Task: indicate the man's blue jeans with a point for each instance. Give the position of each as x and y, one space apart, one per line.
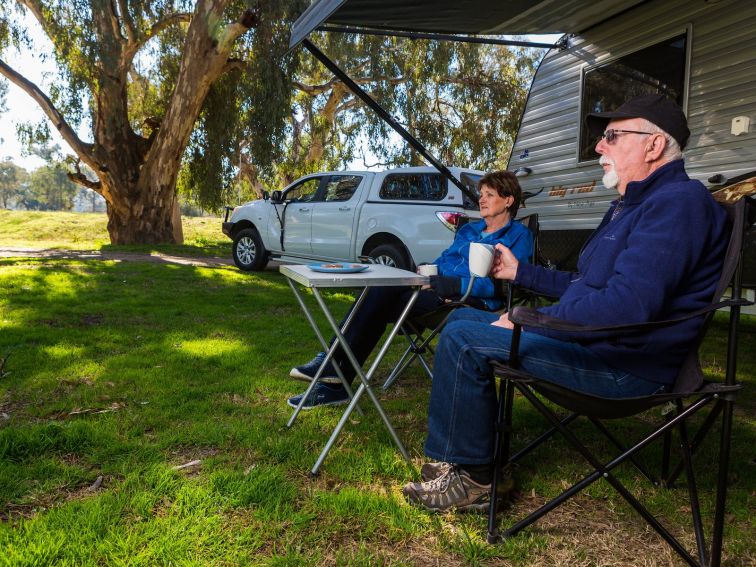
462 408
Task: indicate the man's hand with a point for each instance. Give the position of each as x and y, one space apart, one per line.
504 264
504 322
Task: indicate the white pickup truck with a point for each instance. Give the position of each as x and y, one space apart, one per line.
400 217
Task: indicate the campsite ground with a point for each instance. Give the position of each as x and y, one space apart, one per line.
142 412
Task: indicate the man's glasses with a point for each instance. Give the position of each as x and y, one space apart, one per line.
611 134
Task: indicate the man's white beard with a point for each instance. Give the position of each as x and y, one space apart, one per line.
610 178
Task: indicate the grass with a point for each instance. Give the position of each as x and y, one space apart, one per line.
88 231
117 373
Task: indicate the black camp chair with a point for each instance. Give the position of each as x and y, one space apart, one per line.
690 394
433 322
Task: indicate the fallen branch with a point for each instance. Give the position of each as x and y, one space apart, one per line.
188 465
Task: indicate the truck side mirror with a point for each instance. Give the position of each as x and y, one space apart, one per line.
265 195
275 197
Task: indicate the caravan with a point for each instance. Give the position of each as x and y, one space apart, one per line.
701 54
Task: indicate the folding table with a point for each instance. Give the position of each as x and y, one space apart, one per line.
375 275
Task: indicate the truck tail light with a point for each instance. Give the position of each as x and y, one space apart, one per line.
452 220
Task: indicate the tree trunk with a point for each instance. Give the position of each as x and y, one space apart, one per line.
146 222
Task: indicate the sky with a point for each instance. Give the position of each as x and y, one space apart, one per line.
21 108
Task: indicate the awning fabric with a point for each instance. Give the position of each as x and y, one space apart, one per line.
485 17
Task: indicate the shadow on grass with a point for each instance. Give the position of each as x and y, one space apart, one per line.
203 248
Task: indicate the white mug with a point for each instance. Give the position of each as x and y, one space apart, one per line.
480 259
427 270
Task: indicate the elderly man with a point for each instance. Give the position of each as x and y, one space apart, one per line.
657 254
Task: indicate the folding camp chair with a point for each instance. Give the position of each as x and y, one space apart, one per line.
433 322
690 389
414 328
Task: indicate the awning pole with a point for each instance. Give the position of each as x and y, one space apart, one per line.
386 117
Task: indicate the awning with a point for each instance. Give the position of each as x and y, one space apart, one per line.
485 17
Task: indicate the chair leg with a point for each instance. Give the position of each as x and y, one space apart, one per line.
545 436
697 439
638 465
666 450
417 346
724 462
502 442
692 490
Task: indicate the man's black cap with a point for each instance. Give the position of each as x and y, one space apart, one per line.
655 108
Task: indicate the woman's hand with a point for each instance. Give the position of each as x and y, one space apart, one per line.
503 321
505 264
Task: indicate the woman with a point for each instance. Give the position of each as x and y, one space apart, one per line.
500 197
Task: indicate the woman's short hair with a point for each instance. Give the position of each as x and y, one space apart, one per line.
506 184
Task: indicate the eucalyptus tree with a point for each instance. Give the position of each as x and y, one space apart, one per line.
463 101
150 77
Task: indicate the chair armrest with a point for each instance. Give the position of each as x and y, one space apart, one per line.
529 317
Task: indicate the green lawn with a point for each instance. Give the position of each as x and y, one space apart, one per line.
126 370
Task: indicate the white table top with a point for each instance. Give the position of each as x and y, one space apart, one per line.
375 275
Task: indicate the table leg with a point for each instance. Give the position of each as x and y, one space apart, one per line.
365 379
325 346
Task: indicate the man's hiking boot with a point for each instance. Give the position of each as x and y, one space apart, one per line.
453 490
432 470
307 372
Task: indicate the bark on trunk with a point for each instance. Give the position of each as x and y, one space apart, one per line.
155 224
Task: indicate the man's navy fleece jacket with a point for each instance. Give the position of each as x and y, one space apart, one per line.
660 258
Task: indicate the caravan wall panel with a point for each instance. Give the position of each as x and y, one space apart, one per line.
721 84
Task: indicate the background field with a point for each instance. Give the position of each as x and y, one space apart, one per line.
119 372
88 231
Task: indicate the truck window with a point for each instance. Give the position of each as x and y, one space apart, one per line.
341 187
305 191
413 187
659 68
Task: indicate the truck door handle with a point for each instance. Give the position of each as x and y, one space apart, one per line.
304 210
345 208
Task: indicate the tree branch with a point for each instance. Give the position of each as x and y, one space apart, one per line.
36 9
128 23
81 179
136 44
315 90
249 19
82 149
115 24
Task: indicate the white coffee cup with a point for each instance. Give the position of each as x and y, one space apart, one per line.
481 258
427 270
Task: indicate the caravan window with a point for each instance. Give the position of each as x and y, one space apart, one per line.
659 68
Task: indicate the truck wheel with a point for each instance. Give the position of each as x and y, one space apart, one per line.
249 252
390 255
